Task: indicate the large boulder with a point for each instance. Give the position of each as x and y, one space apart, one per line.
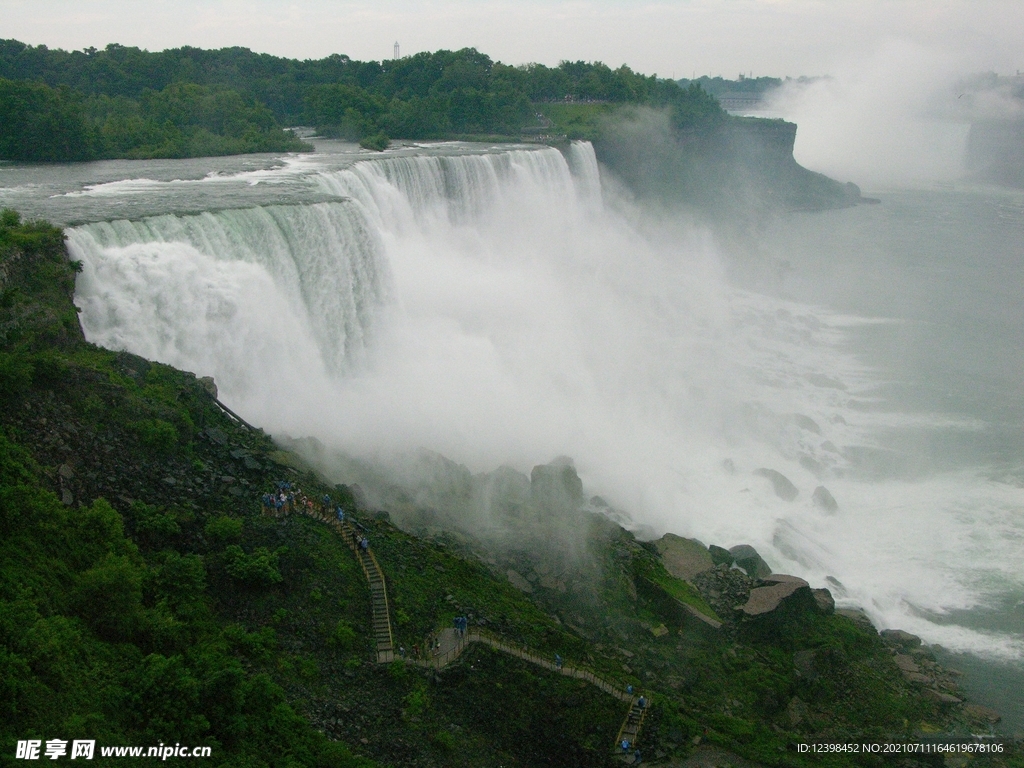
781 590
556 484
784 489
746 557
683 558
720 555
824 500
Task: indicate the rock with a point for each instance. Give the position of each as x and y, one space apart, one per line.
720 555
806 664
207 383
824 500
767 599
900 639
218 436
941 698
556 484
683 558
906 663
66 497
746 557
170 481
857 616
796 711
65 471
918 678
518 581
659 631
979 714
227 479
824 600
784 489
806 422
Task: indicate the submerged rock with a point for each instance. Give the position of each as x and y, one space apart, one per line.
824 500
784 489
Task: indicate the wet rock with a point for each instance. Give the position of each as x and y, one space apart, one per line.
796 711
784 489
207 383
217 436
979 714
556 483
906 663
746 557
517 581
900 639
942 698
767 599
857 616
806 664
824 500
806 422
824 600
683 558
720 555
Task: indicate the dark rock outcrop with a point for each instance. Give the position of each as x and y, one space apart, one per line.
683 558
784 489
824 500
747 558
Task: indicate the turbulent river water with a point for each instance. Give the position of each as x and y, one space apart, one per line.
506 305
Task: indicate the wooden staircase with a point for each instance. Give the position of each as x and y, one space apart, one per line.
380 609
630 729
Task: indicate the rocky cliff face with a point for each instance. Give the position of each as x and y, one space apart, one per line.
743 163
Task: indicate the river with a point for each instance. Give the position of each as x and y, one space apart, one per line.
504 305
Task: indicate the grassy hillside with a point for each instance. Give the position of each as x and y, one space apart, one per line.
145 597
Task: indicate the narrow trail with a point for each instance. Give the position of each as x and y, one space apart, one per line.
447 645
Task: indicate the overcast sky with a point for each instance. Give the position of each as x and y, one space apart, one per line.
681 38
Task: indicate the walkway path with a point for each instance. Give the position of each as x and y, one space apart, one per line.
447 645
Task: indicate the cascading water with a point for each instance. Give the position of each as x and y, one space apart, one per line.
492 306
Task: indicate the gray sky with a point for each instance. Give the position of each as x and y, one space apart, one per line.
680 38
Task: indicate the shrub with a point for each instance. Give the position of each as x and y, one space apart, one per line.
378 142
157 434
223 529
257 569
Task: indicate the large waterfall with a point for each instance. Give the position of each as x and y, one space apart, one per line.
508 306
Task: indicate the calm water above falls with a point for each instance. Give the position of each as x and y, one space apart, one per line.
499 305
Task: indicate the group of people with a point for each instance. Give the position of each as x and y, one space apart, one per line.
461 625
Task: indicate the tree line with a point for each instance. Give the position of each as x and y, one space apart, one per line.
124 101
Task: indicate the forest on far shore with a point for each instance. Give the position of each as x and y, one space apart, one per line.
57 105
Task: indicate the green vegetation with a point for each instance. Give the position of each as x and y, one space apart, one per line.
126 102
182 120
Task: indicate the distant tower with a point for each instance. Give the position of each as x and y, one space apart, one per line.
396 49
